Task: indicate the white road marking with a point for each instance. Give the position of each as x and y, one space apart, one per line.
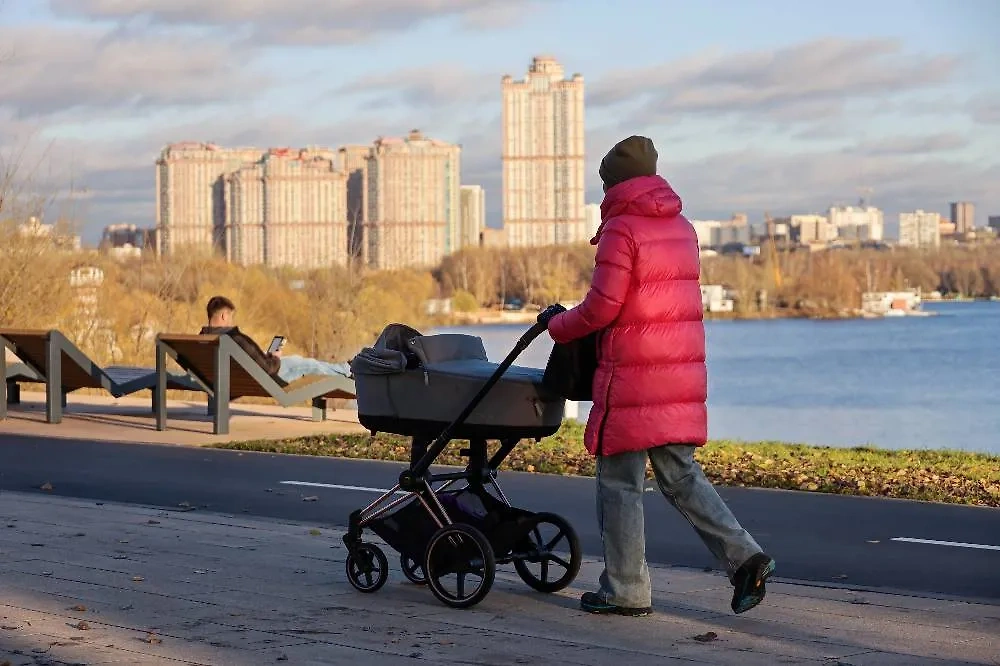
338 486
956 544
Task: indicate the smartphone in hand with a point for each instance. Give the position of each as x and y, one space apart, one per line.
276 344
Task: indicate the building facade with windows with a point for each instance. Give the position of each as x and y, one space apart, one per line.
190 194
288 209
542 118
920 229
413 202
473 203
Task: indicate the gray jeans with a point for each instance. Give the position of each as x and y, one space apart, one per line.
296 367
620 484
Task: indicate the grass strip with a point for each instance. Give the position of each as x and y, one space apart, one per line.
955 477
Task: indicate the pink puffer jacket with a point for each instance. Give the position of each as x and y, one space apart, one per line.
651 382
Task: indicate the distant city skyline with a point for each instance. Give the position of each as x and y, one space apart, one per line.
776 106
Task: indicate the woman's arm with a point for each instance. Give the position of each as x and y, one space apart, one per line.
603 302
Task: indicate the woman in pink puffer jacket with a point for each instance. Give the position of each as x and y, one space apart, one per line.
650 386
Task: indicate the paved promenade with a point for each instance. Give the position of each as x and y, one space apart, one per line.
86 582
130 419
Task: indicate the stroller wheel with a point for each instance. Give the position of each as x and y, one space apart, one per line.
413 570
545 569
367 568
459 565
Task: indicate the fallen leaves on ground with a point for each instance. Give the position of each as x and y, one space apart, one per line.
707 637
932 475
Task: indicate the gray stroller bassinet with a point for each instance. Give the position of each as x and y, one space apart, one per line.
415 385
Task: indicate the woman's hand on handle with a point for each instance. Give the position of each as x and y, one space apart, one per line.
546 315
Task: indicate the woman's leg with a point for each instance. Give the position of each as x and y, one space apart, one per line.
625 586
683 482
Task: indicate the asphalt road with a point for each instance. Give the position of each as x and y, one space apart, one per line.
826 539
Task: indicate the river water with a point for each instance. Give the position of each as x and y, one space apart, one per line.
907 382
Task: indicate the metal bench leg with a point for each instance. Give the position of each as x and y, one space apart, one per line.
54 395
160 390
9 386
319 409
221 418
11 395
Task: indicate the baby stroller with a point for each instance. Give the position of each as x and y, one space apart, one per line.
434 389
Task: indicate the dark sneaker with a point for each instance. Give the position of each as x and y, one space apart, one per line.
595 603
749 581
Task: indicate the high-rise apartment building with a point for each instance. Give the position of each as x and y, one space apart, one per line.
412 215
473 205
120 235
813 228
864 223
719 233
963 216
56 234
920 229
354 162
542 121
493 237
993 222
190 208
123 241
287 209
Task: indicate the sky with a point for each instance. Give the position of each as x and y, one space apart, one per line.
774 105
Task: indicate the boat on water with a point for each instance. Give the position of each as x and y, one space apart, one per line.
904 303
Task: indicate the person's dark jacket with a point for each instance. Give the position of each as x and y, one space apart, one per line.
269 362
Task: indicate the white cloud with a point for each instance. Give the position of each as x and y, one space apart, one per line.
302 22
913 145
53 69
985 109
437 86
805 82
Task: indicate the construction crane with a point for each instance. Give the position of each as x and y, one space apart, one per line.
772 250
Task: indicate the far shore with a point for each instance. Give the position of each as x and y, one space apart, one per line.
492 316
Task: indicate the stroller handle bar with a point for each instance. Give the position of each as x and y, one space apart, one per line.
421 466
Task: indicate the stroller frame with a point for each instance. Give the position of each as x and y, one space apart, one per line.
456 541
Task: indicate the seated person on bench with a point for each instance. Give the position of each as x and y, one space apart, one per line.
221 313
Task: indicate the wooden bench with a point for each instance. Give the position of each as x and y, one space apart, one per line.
55 361
228 373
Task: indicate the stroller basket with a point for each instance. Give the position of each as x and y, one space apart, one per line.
409 529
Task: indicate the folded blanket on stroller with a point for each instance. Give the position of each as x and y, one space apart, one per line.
413 384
